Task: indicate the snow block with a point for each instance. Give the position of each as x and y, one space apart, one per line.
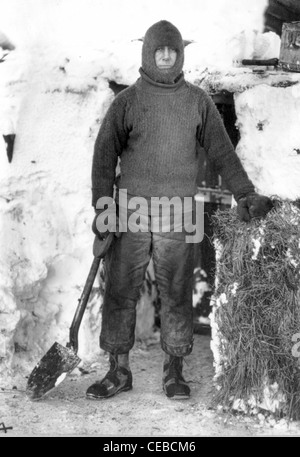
269 148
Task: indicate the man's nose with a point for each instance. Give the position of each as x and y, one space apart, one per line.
166 53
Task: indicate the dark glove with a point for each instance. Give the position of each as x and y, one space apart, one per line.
101 235
102 230
253 205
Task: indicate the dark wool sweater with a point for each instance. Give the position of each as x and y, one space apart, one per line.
154 129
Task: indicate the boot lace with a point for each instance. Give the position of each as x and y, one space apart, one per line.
175 367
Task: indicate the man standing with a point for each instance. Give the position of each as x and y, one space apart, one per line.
153 126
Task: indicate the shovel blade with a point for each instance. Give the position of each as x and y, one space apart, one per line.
51 370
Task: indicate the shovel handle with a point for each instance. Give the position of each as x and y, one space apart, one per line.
82 302
267 62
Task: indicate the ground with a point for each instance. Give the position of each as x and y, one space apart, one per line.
143 411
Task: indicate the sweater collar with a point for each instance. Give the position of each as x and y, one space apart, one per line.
149 85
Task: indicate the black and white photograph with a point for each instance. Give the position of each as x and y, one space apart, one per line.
149 221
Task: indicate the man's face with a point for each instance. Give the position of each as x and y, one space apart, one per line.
165 57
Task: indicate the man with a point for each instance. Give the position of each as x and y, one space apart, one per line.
153 126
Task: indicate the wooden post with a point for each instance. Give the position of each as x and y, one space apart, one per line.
290 46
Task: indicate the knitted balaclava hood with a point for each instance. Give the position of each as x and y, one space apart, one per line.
163 33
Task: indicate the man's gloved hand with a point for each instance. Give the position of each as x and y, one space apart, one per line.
105 222
253 205
100 234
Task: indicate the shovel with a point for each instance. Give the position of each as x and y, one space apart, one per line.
60 360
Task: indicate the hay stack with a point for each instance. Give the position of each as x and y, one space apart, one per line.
256 311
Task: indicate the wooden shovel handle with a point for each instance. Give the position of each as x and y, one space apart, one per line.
267 62
99 252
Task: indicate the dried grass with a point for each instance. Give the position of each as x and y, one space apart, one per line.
257 323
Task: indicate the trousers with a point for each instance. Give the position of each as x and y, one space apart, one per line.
125 267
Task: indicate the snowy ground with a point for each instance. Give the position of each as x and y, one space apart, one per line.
144 411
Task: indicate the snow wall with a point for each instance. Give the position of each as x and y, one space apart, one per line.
54 90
